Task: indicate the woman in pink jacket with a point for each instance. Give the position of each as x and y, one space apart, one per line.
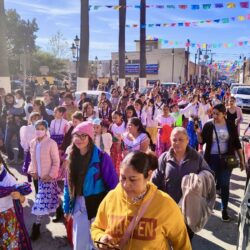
44 166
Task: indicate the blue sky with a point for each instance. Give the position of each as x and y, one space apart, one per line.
64 16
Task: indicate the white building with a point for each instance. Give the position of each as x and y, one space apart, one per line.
162 64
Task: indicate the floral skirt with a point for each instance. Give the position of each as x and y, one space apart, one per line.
58 139
47 198
9 230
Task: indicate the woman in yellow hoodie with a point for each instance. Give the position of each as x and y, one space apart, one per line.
160 226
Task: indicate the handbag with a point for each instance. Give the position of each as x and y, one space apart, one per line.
230 161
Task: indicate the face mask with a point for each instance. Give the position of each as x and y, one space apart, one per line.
40 133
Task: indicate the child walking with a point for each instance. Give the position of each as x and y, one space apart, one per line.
44 166
117 128
13 233
58 126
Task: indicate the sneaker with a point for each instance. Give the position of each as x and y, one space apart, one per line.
225 217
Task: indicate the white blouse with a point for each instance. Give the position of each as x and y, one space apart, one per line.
58 126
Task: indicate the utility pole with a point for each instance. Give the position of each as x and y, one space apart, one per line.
173 65
195 59
187 60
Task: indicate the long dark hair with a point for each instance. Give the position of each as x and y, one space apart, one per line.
137 122
2 161
78 168
141 162
132 108
153 107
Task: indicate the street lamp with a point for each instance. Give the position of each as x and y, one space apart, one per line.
172 65
75 49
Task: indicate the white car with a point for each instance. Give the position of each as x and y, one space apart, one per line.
242 96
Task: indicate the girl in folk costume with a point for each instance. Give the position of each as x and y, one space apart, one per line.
13 233
76 119
105 112
159 104
152 124
140 111
117 128
88 111
44 166
58 126
129 113
166 123
102 140
91 175
27 134
69 105
204 110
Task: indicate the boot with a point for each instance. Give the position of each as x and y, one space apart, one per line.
59 214
35 233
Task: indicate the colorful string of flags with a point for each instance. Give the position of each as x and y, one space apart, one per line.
224 67
208 6
192 24
199 44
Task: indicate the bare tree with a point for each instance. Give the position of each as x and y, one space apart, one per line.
4 68
58 46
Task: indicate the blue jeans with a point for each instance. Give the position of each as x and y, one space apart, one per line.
222 179
11 131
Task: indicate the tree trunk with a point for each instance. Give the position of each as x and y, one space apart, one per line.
122 41
4 67
142 80
82 80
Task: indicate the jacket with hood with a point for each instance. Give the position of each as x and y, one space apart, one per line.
161 225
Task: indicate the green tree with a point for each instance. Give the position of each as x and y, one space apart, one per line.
4 69
142 43
20 33
58 46
82 81
57 66
122 41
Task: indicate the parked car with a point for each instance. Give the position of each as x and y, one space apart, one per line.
242 95
93 96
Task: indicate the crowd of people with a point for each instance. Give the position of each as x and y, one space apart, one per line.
124 174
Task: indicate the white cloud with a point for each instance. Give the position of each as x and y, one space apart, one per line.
44 9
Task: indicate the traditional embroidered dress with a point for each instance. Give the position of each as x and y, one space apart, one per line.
152 123
116 149
13 233
164 131
133 145
58 129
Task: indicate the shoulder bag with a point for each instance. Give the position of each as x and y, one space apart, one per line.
229 161
129 231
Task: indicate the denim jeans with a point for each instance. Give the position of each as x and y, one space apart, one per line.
222 178
11 131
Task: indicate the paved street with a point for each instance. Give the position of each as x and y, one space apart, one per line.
216 235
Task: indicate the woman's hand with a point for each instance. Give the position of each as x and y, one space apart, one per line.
34 176
47 178
242 165
15 195
106 239
67 217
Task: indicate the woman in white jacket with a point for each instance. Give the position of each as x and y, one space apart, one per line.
204 110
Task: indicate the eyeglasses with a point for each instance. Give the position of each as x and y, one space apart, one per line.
81 137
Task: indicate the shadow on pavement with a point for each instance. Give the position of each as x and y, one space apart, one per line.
238 178
204 244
